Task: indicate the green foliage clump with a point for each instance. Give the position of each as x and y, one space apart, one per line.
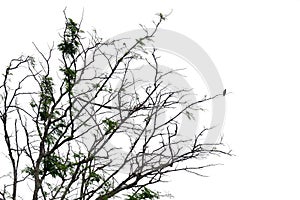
46 97
69 79
109 125
144 194
70 43
56 166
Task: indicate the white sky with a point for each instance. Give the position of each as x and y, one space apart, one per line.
254 44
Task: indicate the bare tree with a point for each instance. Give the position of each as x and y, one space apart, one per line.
59 116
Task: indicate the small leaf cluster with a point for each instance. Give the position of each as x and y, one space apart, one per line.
56 166
70 76
46 97
70 43
57 130
94 177
144 194
109 125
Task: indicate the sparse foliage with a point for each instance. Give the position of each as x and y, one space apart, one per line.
49 109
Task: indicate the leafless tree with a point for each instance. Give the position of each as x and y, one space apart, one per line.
59 114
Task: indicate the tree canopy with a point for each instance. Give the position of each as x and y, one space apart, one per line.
58 116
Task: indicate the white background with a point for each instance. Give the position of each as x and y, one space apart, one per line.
256 47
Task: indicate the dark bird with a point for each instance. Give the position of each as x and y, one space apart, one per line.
224 92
